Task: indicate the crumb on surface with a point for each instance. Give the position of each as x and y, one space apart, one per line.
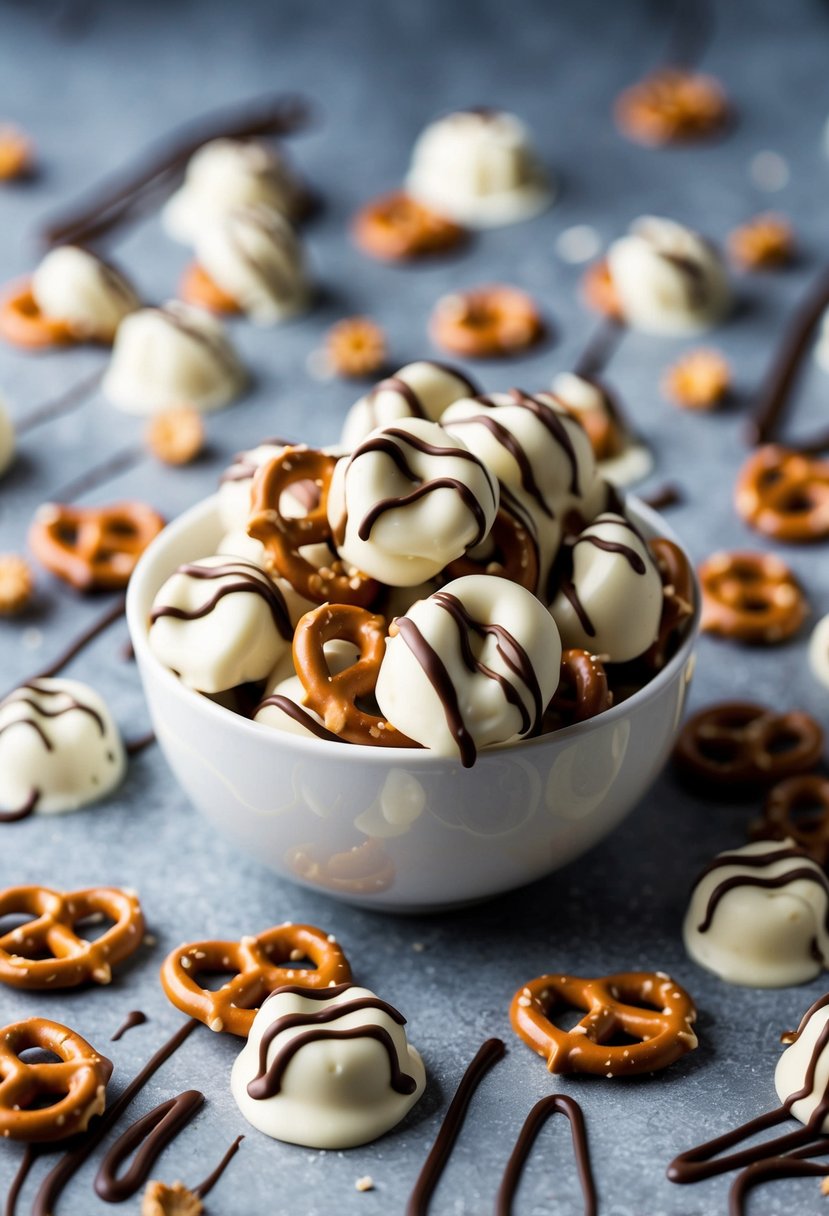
176 436
356 346
366 1183
16 153
762 242
16 584
161 1199
699 380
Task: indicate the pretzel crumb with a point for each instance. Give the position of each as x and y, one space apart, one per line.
162 1200
824 1187
356 346
762 242
16 153
176 436
671 105
699 380
16 584
366 1183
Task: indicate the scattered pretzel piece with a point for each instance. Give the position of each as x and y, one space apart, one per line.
646 1006
515 554
17 156
700 380
750 597
784 494
582 691
679 596
76 1084
797 808
93 548
356 347
598 291
763 242
197 287
176 436
671 106
737 747
395 227
16 584
46 953
159 1199
486 322
23 324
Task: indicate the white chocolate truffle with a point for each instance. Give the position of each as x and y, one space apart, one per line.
418 390
473 665
804 1066
479 167
253 254
409 500
328 1068
758 915
7 438
219 622
611 603
59 747
283 705
626 460
228 173
165 356
669 280
819 651
74 286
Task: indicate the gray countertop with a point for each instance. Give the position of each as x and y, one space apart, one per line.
93 83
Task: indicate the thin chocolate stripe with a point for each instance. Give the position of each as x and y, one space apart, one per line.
441 681
515 448
153 1132
800 873
252 581
292 710
269 1085
548 417
538 1116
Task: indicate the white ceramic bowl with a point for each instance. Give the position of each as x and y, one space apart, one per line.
392 829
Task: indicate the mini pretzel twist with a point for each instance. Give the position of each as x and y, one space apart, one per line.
670 106
258 963
784 494
613 1005
395 227
679 592
486 322
283 536
70 959
23 324
739 746
515 556
78 1082
582 690
751 597
93 548
797 808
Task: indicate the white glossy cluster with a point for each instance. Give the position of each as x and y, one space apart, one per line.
74 286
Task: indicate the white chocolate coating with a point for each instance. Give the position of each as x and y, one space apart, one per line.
418 390
499 687
805 1065
632 461
253 254
620 593
669 280
237 640
768 936
167 356
479 168
228 173
335 1092
74 286
59 746
285 683
411 529
819 651
7 438
822 344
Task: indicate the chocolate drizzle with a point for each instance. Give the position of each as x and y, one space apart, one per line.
68 400
244 467
396 384
599 350
515 448
805 873
134 1018
554 424
247 579
153 1132
538 1116
22 812
561 574
441 681
667 495
74 706
293 710
206 1186
18 1182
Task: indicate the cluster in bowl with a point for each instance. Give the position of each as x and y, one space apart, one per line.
456 576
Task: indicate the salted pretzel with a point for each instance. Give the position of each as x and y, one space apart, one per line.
284 536
582 690
486 322
750 597
737 746
679 595
197 287
644 1005
784 494
259 966
599 292
671 105
335 697
365 869
23 324
77 1082
46 952
395 227
93 548
515 554
797 808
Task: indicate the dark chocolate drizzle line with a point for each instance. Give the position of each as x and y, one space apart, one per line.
26 1163
667 495
292 710
551 420
600 348
153 1132
441 681
806 873
74 706
633 559
89 635
63 404
206 1186
134 1018
61 1174
134 747
488 1053
394 384
515 448
252 581
538 1116
22 812
791 1165
101 473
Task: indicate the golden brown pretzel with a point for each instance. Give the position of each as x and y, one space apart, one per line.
515 556
751 597
23 324
486 322
258 963
93 548
678 599
46 953
671 105
582 690
335 698
78 1082
784 494
395 227
644 1005
798 808
283 536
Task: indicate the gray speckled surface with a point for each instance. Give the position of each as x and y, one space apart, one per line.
93 83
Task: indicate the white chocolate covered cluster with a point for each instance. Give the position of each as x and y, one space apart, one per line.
7 438
419 390
72 285
801 1077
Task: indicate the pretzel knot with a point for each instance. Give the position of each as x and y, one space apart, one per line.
515 554
258 966
46 952
784 494
742 746
93 548
23 324
752 597
336 698
679 594
582 690
284 536
76 1085
642 1005
797 808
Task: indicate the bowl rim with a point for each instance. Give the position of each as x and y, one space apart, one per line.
363 753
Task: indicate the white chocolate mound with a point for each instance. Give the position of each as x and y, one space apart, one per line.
474 664
403 527
7 438
333 1091
165 356
419 390
762 930
284 691
612 603
819 651
229 173
253 254
669 280
219 622
479 167
59 747
805 1066
74 286
633 461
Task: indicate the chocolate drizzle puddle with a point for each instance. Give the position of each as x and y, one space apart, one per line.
294 711
153 1132
538 1116
805 873
134 1018
206 1186
249 579
488 1053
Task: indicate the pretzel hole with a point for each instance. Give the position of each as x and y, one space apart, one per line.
754 604
783 741
799 502
770 477
38 1055
67 534
93 926
121 527
808 813
722 751
212 979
